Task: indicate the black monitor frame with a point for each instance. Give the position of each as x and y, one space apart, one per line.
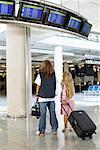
48 9
45 15
69 15
83 33
4 16
38 4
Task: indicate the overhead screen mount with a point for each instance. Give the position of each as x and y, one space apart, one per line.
7 9
42 13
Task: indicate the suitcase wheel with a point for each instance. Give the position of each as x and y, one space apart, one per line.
37 117
90 136
83 138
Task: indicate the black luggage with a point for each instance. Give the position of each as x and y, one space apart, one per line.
81 123
35 111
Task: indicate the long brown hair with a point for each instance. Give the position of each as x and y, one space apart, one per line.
47 68
68 81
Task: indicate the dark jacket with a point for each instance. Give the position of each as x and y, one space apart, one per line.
48 86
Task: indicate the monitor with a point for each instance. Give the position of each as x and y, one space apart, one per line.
31 12
74 23
56 17
7 8
86 29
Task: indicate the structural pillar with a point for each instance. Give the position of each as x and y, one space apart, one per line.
19 85
66 66
58 65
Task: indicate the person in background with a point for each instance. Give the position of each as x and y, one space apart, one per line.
45 91
67 96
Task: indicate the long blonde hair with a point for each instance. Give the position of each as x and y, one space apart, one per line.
68 81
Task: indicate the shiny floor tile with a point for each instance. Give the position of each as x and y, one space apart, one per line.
19 134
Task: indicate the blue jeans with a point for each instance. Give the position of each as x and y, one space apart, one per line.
53 119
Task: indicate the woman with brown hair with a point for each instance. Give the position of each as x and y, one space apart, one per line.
45 91
67 96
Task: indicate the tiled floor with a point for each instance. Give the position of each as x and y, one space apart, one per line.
19 134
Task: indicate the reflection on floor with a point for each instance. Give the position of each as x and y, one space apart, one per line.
19 134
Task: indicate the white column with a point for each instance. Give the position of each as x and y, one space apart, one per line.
18 71
58 64
66 66
28 91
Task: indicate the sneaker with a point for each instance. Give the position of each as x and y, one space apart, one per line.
70 129
64 130
40 134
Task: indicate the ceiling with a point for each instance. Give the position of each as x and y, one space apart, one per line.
90 9
43 44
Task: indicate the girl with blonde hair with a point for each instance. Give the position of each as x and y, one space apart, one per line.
67 96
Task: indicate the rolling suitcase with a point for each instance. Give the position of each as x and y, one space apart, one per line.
81 123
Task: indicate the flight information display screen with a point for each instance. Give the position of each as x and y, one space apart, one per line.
6 8
74 23
31 12
86 29
56 17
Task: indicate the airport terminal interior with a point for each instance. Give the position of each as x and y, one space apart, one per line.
67 49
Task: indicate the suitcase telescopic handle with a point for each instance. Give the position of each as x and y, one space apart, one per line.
65 110
69 106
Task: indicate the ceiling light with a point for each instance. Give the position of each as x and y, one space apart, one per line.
92 62
91 56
